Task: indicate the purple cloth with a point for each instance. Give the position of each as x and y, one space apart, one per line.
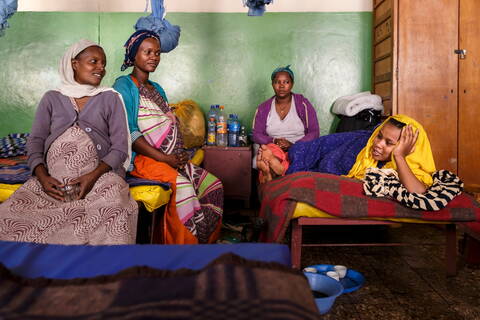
334 153
305 111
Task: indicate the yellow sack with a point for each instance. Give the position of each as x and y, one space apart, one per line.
192 122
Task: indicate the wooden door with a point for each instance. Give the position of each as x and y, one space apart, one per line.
427 72
469 94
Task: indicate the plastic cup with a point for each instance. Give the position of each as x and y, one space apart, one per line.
341 271
333 275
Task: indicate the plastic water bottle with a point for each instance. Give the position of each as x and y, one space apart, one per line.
221 128
211 131
211 126
233 131
212 112
242 137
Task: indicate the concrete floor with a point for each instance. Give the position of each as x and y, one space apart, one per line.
401 282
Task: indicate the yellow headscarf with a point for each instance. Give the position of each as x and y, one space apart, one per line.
420 160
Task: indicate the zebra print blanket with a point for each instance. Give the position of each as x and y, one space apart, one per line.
386 183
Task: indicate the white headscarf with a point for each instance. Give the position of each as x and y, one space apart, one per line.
71 88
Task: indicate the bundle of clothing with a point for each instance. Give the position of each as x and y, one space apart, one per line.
7 9
14 144
169 34
256 7
360 111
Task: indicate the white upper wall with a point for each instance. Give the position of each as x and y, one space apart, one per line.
194 5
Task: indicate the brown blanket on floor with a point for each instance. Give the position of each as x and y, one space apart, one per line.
344 198
230 287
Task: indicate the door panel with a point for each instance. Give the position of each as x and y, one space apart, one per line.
469 94
427 74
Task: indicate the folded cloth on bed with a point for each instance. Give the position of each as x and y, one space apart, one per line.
353 104
230 287
386 183
20 173
14 174
14 144
344 198
134 181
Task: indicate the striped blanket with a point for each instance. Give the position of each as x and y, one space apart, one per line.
13 144
15 170
230 287
344 198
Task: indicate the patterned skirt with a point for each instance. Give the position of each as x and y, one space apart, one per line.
107 214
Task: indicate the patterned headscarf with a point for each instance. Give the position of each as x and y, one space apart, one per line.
283 69
420 160
132 44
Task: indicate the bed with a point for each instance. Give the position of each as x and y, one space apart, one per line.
43 281
311 198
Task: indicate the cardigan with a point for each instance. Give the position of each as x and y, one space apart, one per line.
102 118
305 111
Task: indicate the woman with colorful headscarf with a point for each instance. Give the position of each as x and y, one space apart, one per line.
281 121
194 213
77 150
399 143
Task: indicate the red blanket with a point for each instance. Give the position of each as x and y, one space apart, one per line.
344 198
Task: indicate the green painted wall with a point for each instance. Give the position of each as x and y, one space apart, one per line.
222 58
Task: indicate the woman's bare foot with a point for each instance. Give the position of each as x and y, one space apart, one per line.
273 162
266 175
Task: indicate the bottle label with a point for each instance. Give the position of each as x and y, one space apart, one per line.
211 138
221 127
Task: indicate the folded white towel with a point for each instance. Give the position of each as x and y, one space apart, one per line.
353 104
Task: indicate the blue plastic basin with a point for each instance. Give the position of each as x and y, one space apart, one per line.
326 285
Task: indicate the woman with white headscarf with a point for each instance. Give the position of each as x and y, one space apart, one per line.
77 150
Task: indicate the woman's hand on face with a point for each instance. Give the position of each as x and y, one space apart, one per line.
51 186
406 143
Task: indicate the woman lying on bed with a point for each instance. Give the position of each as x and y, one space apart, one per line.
76 151
399 143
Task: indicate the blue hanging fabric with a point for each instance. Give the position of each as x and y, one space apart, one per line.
7 9
256 7
169 34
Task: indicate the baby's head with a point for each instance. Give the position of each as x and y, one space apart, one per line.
386 140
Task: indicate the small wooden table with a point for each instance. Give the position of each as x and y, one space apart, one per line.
233 166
